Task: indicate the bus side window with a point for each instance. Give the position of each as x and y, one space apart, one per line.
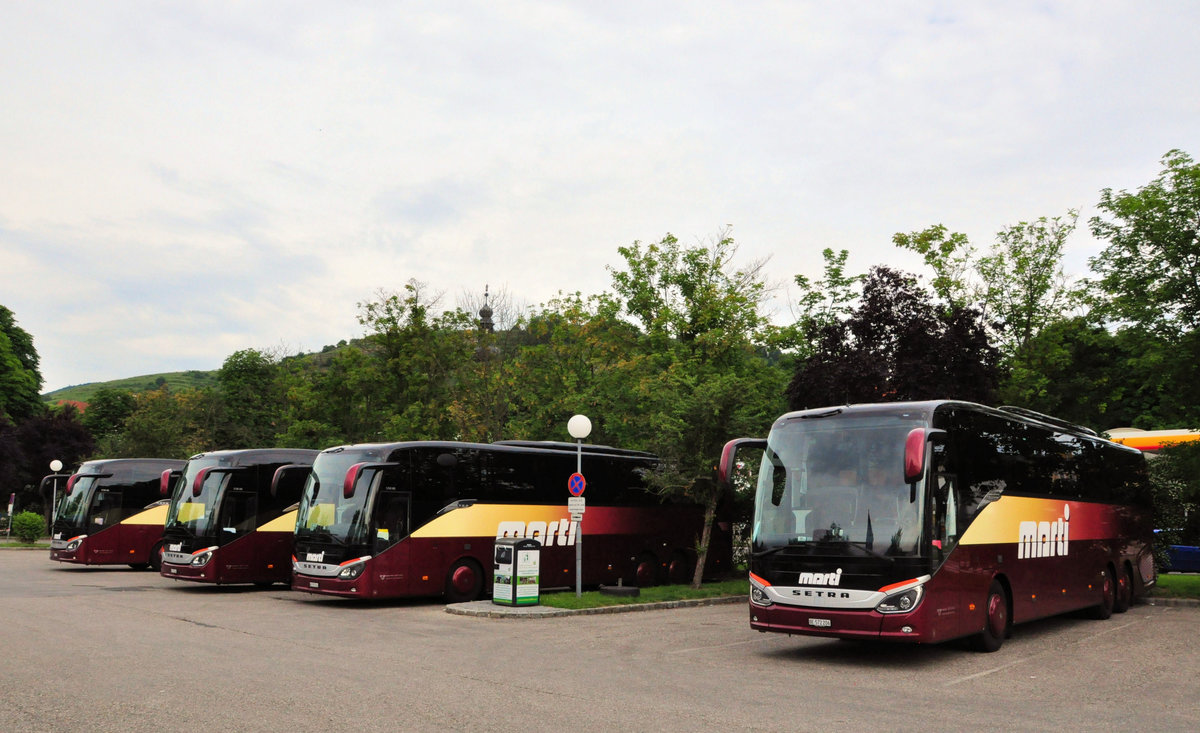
946 512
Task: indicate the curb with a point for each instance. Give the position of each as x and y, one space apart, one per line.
487 609
1161 601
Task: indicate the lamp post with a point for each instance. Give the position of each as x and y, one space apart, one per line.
579 426
55 467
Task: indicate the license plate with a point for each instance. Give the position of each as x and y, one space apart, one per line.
820 623
314 585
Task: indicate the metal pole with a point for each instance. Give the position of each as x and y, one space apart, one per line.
579 527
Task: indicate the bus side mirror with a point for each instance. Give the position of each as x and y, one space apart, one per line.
71 484
283 473
198 484
914 456
351 479
164 481
728 462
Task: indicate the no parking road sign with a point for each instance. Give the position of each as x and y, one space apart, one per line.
576 484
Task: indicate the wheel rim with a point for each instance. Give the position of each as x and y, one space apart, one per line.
463 579
997 615
1107 590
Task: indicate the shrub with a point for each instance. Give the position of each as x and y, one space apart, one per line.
28 527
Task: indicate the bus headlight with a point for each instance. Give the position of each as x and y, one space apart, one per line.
73 545
902 602
202 557
350 572
758 591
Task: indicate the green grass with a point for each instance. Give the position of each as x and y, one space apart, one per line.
1174 585
596 599
35 545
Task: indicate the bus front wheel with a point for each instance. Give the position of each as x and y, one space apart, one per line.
156 555
995 623
464 582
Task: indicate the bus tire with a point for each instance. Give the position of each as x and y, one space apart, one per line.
645 571
464 581
1108 596
1123 598
679 571
156 556
995 620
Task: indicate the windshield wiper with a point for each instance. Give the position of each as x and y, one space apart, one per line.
321 535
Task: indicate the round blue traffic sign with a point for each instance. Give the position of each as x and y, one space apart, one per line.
576 484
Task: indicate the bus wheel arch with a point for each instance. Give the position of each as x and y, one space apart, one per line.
997 618
464 581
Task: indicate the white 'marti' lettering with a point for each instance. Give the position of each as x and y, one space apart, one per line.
1044 539
559 532
833 578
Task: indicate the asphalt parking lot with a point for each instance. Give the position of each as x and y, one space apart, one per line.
87 648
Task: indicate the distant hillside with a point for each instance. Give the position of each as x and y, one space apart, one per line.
175 381
180 381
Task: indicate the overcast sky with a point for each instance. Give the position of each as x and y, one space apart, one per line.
182 180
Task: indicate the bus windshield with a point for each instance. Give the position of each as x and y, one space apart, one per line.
73 510
194 513
838 478
324 511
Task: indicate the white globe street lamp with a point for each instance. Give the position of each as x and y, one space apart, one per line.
579 426
55 467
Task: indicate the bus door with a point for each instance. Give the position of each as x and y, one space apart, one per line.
238 517
103 526
391 522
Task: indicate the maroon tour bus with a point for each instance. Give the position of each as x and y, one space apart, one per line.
112 513
929 521
421 519
232 514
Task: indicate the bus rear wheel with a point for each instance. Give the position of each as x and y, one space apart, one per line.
645 572
464 582
995 623
1108 596
1124 597
680 569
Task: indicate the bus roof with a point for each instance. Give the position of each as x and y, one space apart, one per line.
928 407
500 446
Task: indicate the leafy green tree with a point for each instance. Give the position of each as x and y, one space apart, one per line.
251 399
1023 283
20 379
823 302
898 345
698 376
1149 273
107 410
56 435
950 255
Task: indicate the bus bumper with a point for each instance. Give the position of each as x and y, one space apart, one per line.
838 624
356 588
201 574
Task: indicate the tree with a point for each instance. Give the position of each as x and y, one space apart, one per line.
823 302
1150 269
697 376
251 399
56 435
1023 283
107 410
898 345
950 257
20 380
